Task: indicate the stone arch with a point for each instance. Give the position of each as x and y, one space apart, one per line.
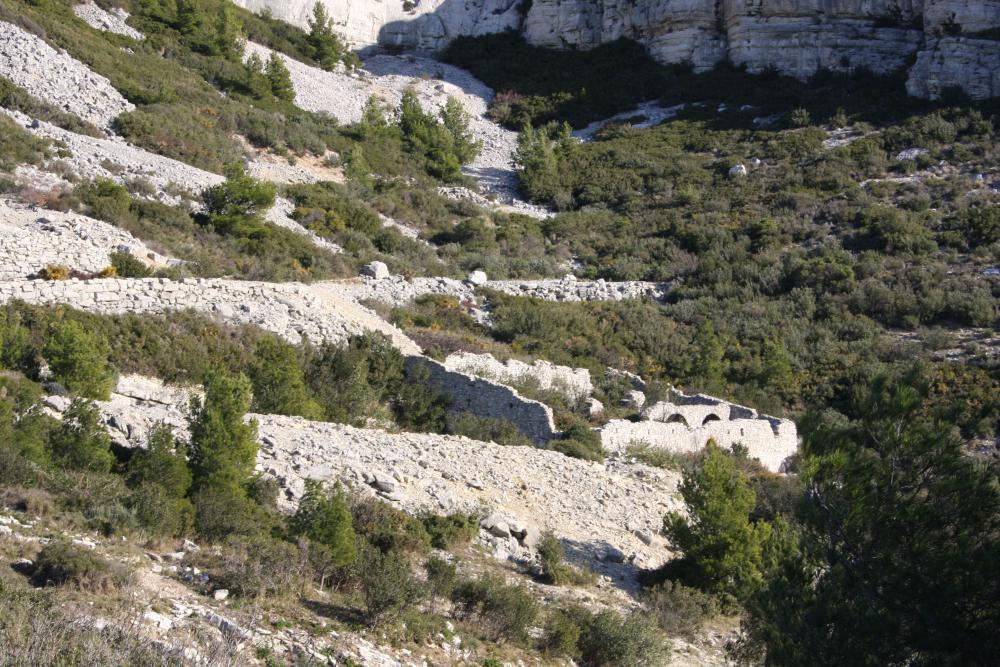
677 418
710 417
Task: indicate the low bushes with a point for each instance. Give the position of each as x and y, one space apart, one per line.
502 612
61 563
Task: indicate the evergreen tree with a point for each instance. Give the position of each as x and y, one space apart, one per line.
79 360
81 442
163 462
228 40
538 165
279 78
323 518
223 446
257 81
189 17
710 366
900 544
235 206
23 427
373 118
723 550
456 121
278 383
324 44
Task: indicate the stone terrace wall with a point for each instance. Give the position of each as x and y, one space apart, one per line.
485 398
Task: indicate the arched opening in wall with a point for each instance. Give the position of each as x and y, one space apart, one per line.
677 419
710 418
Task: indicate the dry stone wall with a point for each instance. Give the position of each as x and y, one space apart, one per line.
397 291
486 398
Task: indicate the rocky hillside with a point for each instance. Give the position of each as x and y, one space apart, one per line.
954 41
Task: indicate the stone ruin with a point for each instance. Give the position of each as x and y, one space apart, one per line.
685 424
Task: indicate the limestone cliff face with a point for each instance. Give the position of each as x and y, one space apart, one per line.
944 38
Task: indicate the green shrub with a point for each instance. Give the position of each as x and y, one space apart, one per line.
501 611
61 563
446 531
579 441
128 266
387 528
387 582
81 442
79 360
442 577
159 512
24 429
679 609
489 429
162 480
323 517
609 639
260 566
220 512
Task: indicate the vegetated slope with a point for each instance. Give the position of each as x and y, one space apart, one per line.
815 255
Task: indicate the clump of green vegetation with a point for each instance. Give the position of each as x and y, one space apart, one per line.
61 563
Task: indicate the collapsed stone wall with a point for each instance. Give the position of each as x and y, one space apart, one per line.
685 424
486 398
289 310
31 239
397 290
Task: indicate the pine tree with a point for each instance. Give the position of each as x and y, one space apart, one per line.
722 547
79 360
373 119
278 382
455 119
163 462
710 366
228 41
539 165
324 518
189 17
81 442
279 78
257 81
325 46
223 446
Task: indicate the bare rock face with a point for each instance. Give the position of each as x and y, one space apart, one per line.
796 37
425 25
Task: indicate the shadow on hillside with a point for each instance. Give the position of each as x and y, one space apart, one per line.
592 556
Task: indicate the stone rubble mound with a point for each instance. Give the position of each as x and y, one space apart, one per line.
113 21
32 239
56 78
597 510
